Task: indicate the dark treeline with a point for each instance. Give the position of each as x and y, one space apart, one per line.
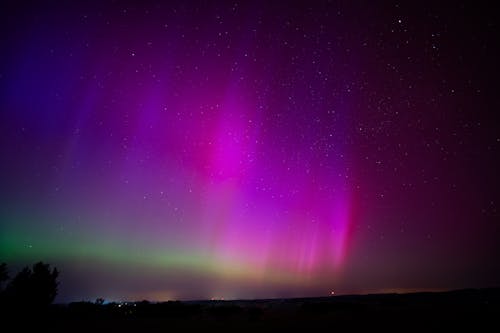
32 287
27 304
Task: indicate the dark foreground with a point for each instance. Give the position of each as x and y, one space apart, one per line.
475 310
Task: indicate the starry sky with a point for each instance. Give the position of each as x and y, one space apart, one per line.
226 149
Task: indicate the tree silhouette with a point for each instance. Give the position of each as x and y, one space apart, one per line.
4 274
33 287
44 283
18 290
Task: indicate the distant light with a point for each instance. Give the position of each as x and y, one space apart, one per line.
332 293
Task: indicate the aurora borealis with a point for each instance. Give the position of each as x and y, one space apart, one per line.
198 149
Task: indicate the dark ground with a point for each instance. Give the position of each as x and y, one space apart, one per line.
474 310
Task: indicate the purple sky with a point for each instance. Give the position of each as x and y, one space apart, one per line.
180 150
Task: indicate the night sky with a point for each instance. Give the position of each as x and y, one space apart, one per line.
196 150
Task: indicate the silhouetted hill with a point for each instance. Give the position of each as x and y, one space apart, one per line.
474 309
